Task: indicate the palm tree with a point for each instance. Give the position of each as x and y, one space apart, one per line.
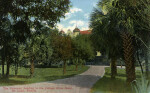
124 23
106 37
116 21
137 20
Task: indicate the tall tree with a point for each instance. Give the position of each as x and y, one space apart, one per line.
62 48
82 49
6 42
39 47
137 16
105 35
125 27
27 14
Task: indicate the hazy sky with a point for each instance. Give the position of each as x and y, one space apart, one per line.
79 14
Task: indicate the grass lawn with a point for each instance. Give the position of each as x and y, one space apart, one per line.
118 85
40 75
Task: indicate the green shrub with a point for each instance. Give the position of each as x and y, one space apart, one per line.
141 86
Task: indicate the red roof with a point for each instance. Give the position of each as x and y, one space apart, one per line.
85 32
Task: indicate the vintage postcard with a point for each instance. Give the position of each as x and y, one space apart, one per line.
74 46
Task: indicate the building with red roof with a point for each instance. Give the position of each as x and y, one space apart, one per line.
77 31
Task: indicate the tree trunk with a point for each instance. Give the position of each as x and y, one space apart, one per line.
146 62
113 68
121 65
64 68
16 68
8 68
83 65
3 61
76 67
128 56
139 62
32 67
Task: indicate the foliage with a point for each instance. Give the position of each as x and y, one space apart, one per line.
47 10
105 35
21 28
39 45
141 86
62 48
83 48
142 12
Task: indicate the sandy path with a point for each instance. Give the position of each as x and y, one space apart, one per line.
77 84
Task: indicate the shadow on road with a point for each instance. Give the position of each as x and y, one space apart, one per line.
83 81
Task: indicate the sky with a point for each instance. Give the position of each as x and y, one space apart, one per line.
78 15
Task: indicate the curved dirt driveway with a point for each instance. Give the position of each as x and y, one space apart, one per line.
78 84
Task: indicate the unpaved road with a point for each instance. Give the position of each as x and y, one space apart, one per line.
78 84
